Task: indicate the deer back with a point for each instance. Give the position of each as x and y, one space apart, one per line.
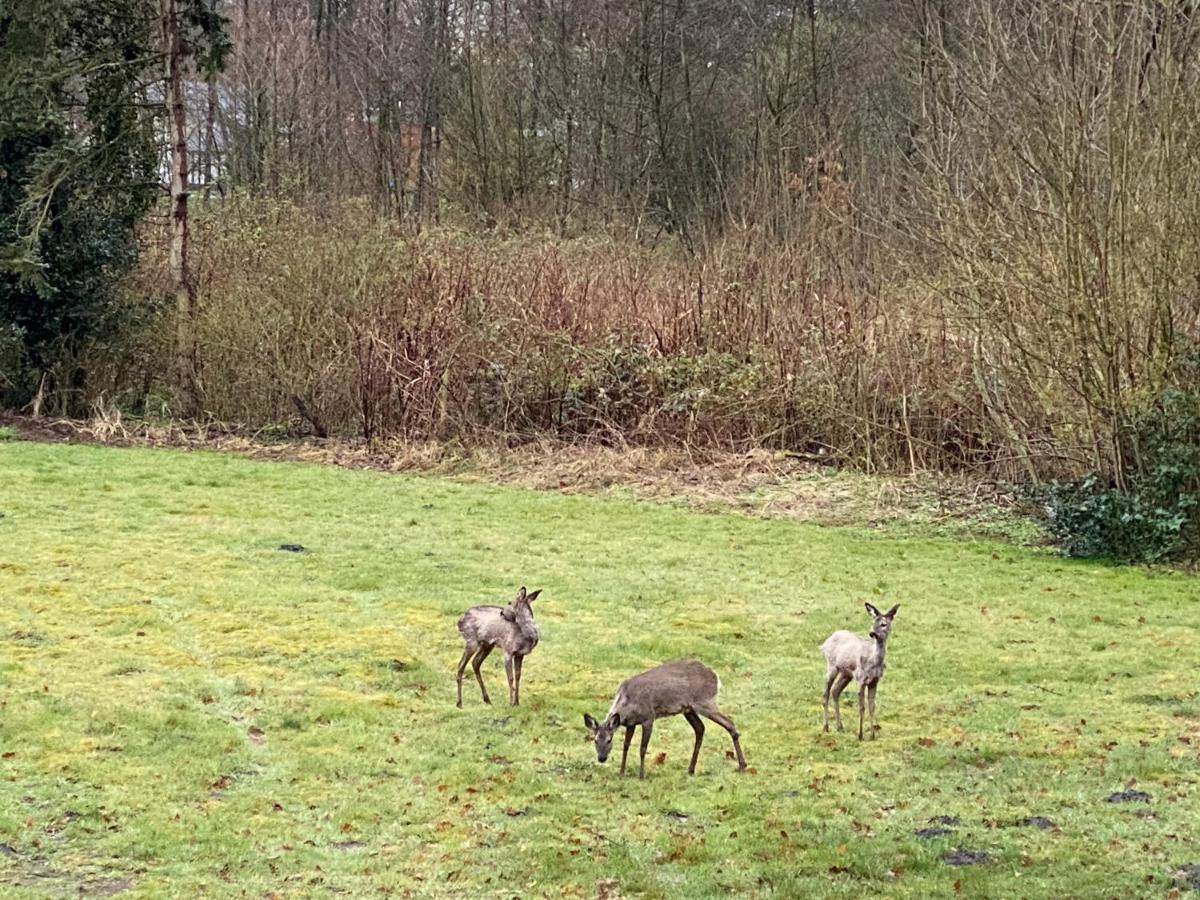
515 633
844 650
667 690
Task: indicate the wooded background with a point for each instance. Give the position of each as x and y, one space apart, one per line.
895 234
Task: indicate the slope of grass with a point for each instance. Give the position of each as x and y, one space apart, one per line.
187 709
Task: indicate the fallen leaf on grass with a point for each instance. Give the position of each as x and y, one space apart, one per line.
926 742
660 759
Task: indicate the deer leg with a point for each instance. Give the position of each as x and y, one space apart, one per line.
628 741
508 672
646 730
840 686
727 723
833 676
462 667
517 660
862 702
698 727
475 664
871 700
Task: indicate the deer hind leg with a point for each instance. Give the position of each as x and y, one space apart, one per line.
647 729
517 660
871 701
698 727
480 656
628 741
833 676
468 652
711 712
838 687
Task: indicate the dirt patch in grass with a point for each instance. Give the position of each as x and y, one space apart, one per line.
967 858
1129 797
763 483
1037 822
25 871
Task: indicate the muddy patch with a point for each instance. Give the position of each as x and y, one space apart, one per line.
292 548
1188 877
1037 822
929 834
967 858
37 873
1129 797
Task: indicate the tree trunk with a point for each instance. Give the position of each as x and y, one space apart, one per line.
175 54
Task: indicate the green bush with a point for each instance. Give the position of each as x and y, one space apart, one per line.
1157 517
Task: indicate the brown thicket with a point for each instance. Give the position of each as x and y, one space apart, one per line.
900 235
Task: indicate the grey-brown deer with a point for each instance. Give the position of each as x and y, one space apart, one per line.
849 657
511 628
686 688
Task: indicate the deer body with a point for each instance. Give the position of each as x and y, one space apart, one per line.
511 628
686 688
851 658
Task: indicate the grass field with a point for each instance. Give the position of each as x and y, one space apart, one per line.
187 710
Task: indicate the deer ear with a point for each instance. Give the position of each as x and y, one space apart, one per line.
533 596
590 722
508 615
614 720
520 594
872 610
891 613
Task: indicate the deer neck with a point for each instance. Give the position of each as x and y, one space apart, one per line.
880 651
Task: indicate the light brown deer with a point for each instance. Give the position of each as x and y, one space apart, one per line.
511 628
675 688
849 657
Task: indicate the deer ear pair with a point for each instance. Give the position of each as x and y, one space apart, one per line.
890 614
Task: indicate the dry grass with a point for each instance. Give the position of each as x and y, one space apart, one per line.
761 483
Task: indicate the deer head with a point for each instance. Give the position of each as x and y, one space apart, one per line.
882 626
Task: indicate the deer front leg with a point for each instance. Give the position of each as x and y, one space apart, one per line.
646 730
628 741
517 661
862 696
508 672
871 700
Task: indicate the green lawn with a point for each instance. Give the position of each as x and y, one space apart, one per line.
185 709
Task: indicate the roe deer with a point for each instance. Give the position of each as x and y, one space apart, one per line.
511 628
849 657
688 688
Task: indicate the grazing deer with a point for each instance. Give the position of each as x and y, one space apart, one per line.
511 628
675 688
849 657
